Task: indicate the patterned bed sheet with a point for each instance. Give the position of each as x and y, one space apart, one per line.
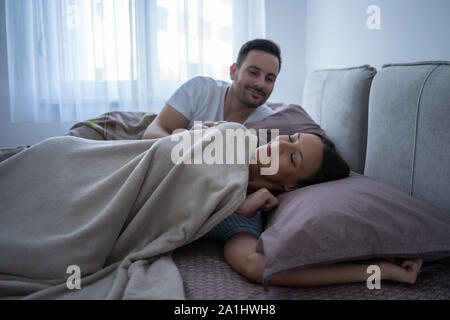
206 276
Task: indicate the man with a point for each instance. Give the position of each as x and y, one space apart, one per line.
205 99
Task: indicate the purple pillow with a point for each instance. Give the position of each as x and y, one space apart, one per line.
355 218
288 119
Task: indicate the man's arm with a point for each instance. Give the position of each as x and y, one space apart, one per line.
165 123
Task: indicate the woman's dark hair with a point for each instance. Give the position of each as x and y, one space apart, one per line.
333 167
262 45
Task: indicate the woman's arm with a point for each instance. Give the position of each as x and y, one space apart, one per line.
349 273
241 255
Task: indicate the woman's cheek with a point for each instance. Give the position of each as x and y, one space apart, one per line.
262 157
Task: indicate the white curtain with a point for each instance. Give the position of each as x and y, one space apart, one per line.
71 60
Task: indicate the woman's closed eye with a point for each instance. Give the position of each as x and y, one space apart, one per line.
292 154
293 138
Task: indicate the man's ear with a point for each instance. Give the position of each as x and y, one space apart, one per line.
233 70
290 187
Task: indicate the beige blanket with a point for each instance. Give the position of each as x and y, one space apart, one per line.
109 211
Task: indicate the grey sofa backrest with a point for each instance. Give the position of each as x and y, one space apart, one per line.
408 143
337 99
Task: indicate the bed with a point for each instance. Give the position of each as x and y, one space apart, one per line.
400 112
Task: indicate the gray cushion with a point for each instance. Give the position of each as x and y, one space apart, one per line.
337 99
408 142
355 218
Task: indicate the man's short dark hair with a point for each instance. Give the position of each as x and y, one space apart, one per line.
262 45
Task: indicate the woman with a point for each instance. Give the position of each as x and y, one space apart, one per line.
304 159
110 208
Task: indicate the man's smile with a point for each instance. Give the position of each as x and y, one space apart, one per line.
256 92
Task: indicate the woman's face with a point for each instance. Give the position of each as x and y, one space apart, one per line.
300 156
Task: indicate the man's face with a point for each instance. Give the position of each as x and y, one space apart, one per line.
253 82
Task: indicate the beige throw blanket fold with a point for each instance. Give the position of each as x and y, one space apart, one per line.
113 209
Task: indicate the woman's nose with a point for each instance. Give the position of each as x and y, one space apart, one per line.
285 144
280 138
283 139
282 145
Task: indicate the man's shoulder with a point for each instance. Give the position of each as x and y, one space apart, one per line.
206 81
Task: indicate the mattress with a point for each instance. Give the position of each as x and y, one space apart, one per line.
206 276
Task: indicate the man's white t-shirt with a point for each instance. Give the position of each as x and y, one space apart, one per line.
203 98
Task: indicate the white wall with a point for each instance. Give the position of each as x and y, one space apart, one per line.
286 25
411 30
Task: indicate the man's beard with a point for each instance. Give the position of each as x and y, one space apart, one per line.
247 101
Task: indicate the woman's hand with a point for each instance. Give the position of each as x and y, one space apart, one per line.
406 272
262 199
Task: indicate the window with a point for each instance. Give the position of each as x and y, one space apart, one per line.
100 28
71 60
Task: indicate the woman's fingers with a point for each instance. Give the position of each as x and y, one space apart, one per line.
419 266
412 264
270 203
406 271
199 126
412 269
407 263
212 123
